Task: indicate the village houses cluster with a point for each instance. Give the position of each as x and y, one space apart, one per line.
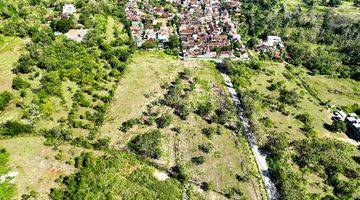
204 27
207 30
149 22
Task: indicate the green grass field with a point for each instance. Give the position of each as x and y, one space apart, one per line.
346 94
10 51
35 163
340 92
141 86
346 8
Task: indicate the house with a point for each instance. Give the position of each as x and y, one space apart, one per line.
339 115
353 123
150 34
68 9
273 41
164 34
76 34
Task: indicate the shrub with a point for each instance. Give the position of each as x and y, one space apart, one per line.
179 172
150 121
148 144
331 158
19 83
59 156
224 113
102 143
57 134
206 148
209 132
80 98
198 160
276 86
204 108
277 143
149 44
289 97
242 178
14 128
164 121
309 130
236 192
5 98
126 126
305 118
98 176
81 142
267 122
63 25
206 186
183 112
338 126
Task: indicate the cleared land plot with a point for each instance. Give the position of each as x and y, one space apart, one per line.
10 51
340 92
138 87
35 163
141 87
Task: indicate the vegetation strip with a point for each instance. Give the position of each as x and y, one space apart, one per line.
259 157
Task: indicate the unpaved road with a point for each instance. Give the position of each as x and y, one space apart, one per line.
259 157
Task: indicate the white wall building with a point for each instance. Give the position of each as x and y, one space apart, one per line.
68 9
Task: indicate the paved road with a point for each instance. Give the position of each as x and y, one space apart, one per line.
259 157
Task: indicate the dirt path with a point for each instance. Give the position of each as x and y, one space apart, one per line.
259 157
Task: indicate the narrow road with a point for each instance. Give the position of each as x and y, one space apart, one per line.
259 157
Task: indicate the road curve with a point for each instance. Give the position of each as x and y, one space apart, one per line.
259 157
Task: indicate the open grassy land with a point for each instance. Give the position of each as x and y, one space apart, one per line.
142 96
36 165
346 8
10 50
139 86
338 91
286 101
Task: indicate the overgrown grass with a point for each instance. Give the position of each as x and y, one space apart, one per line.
10 51
297 121
140 104
7 189
119 174
36 164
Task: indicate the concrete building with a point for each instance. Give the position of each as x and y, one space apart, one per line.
76 34
68 9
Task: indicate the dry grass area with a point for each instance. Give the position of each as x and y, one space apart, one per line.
9 54
138 87
10 51
346 94
36 165
346 8
141 86
340 92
